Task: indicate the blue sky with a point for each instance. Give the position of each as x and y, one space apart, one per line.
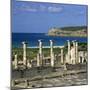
37 17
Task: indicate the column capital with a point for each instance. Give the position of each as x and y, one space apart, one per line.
68 40
73 40
40 43
39 40
24 42
51 40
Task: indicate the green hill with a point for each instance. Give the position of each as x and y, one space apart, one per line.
79 31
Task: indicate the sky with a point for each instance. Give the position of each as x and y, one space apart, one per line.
39 17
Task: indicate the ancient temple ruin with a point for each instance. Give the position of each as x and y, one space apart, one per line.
72 56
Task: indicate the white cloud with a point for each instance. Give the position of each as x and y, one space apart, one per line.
41 7
30 9
26 7
54 9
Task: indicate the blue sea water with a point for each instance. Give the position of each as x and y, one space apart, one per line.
32 39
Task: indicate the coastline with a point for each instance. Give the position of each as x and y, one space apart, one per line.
67 36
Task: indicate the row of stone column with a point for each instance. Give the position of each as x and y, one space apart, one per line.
72 56
52 56
39 55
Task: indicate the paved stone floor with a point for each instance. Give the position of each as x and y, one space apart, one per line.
68 80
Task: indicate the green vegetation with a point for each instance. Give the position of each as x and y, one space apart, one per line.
71 28
32 52
75 28
83 46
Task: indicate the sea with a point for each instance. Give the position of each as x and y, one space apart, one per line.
32 39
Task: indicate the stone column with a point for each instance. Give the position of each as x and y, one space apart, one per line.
40 47
51 53
38 59
40 56
62 56
15 61
74 52
24 53
77 58
83 59
86 56
69 49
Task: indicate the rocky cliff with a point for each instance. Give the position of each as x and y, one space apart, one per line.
79 31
